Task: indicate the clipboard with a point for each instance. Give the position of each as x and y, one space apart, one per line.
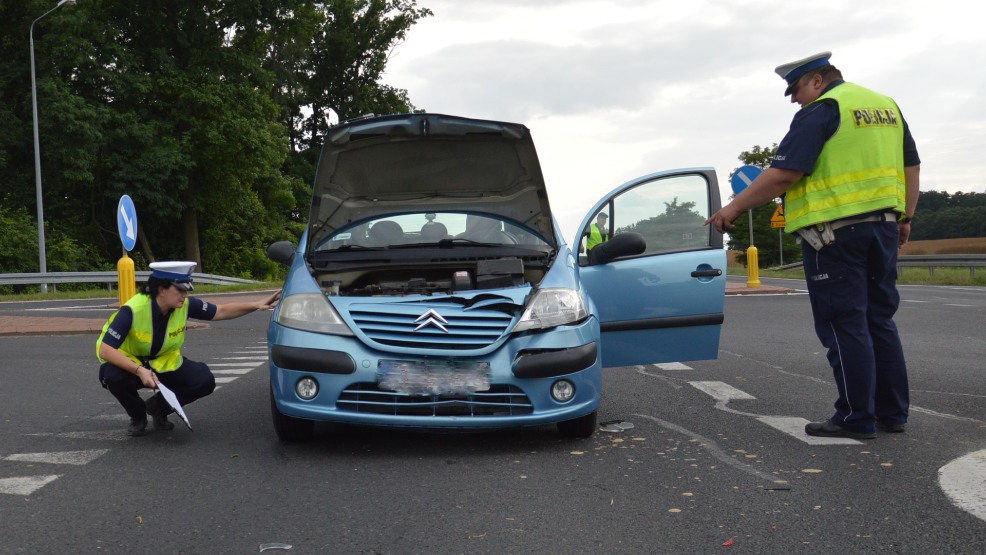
172 400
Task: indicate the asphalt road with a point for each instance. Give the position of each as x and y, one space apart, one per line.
708 467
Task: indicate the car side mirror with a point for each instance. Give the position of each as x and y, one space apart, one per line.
281 252
624 244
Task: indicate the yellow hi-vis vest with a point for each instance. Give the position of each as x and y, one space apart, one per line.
137 344
596 236
860 168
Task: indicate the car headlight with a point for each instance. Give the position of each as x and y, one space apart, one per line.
552 307
311 312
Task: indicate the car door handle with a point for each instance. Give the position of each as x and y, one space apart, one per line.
714 272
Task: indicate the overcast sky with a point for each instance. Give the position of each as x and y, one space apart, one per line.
615 89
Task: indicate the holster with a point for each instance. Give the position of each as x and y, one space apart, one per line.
818 236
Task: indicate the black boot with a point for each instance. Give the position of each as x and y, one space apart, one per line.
137 427
159 410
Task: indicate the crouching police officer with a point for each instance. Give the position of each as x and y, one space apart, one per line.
140 345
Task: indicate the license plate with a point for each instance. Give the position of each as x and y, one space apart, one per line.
433 378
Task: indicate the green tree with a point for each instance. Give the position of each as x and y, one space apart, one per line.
208 114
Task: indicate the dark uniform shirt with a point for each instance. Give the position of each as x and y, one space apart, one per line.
120 327
815 124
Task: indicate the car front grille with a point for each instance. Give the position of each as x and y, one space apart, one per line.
454 328
500 400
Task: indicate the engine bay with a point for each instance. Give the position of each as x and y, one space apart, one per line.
444 279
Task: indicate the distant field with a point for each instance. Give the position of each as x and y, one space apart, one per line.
974 245
910 275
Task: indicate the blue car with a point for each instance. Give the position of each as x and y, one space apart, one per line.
433 289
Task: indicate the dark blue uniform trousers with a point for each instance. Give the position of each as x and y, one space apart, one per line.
852 285
192 380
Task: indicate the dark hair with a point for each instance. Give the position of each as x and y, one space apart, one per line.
153 285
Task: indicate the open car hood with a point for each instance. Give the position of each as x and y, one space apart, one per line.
413 162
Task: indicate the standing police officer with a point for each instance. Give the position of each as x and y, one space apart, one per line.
850 171
140 345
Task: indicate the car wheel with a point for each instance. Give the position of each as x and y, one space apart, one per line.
289 428
581 427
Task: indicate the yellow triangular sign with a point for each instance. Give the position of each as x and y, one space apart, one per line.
777 220
778 216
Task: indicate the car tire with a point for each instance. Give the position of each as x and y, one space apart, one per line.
288 428
581 427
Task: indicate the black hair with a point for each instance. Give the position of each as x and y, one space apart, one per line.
154 284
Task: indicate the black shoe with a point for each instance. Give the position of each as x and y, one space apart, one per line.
891 428
137 427
828 429
161 423
159 410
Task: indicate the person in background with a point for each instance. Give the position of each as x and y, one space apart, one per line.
849 170
140 345
598 232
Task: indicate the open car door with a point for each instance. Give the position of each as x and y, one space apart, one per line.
659 283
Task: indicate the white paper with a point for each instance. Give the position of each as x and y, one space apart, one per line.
169 396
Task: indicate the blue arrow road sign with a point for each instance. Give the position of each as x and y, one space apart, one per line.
743 176
126 222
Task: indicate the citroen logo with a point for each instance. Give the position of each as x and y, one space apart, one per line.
431 318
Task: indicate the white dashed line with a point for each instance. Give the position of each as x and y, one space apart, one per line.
25 485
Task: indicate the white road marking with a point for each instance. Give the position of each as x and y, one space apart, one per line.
117 435
237 371
721 391
25 485
226 380
253 358
237 364
672 366
795 427
59 457
964 482
790 425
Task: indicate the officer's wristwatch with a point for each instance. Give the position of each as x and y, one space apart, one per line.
905 219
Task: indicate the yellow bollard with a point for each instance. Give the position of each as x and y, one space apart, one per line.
127 278
752 267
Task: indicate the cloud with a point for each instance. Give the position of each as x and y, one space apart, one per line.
616 89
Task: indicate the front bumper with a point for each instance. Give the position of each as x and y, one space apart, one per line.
522 372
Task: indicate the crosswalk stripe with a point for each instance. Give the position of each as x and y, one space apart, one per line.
116 435
58 457
258 360
237 371
237 364
25 485
226 379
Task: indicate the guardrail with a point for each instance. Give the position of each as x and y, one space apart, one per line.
109 278
930 261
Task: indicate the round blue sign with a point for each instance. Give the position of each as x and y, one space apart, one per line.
126 222
743 176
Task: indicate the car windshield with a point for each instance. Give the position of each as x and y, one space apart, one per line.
430 228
